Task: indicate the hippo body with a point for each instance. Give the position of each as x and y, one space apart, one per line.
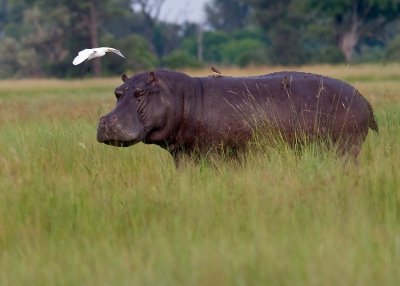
184 114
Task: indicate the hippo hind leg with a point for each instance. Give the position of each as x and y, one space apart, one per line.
350 147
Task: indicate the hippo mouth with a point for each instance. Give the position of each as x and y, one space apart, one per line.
124 139
118 143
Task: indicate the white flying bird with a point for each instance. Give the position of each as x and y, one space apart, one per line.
88 54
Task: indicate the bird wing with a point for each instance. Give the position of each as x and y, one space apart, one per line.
82 56
118 53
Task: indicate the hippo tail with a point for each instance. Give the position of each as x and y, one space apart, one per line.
372 121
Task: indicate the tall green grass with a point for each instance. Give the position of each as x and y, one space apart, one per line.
75 212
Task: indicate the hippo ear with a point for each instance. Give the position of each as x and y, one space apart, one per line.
152 78
124 77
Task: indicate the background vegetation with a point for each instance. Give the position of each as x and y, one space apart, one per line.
40 38
73 211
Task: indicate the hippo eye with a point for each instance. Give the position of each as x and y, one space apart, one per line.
138 92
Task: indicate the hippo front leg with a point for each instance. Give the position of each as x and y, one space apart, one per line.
183 156
180 157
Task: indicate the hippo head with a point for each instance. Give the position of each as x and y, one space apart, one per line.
141 112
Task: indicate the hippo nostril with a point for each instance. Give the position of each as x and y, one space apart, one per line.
113 119
118 93
102 122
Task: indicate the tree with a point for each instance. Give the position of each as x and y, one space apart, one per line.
245 47
137 52
8 56
3 15
227 15
392 52
50 33
92 22
181 59
284 23
87 14
347 23
354 20
150 11
44 41
37 35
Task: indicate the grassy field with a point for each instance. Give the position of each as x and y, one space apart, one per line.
75 212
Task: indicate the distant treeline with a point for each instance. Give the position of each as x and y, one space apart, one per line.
41 37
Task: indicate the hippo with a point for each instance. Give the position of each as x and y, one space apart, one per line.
185 114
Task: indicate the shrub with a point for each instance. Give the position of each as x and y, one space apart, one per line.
179 59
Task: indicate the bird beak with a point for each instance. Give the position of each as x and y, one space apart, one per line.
119 53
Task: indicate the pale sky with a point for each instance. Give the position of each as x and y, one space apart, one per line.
182 10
